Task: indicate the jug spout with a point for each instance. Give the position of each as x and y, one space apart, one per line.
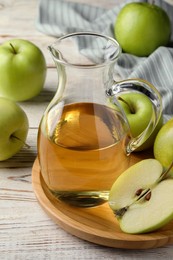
140 140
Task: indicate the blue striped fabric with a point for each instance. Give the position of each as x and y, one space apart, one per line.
58 17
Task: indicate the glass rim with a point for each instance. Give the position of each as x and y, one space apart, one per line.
85 33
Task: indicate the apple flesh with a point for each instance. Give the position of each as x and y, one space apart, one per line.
140 28
163 145
141 200
22 70
13 128
138 109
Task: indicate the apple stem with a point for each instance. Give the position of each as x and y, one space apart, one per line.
120 212
164 174
25 144
130 107
15 52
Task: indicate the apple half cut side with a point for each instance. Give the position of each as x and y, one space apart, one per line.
141 199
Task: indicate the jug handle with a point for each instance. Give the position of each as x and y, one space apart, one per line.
145 87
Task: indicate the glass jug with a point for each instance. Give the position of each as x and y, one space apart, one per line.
84 138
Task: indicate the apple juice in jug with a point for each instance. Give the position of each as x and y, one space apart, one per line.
84 154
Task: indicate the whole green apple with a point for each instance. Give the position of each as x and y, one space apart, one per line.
163 145
22 70
138 109
13 128
140 28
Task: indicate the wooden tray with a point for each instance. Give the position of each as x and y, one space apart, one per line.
98 224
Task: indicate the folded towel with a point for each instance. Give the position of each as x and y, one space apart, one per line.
58 17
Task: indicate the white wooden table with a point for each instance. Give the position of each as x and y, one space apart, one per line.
26 232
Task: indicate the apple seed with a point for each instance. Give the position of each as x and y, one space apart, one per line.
148 196
138 192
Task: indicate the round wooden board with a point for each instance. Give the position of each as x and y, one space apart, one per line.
98 224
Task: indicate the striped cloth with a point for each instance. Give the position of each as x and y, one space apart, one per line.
58 17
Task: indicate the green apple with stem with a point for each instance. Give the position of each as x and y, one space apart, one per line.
163 145
142 197
138 109
140 28
22 70
13 128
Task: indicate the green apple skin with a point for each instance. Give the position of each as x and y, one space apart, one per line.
163 145
13 128
138 110
140 28
144 215
22 70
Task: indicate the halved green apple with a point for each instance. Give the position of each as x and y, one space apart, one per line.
141 199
